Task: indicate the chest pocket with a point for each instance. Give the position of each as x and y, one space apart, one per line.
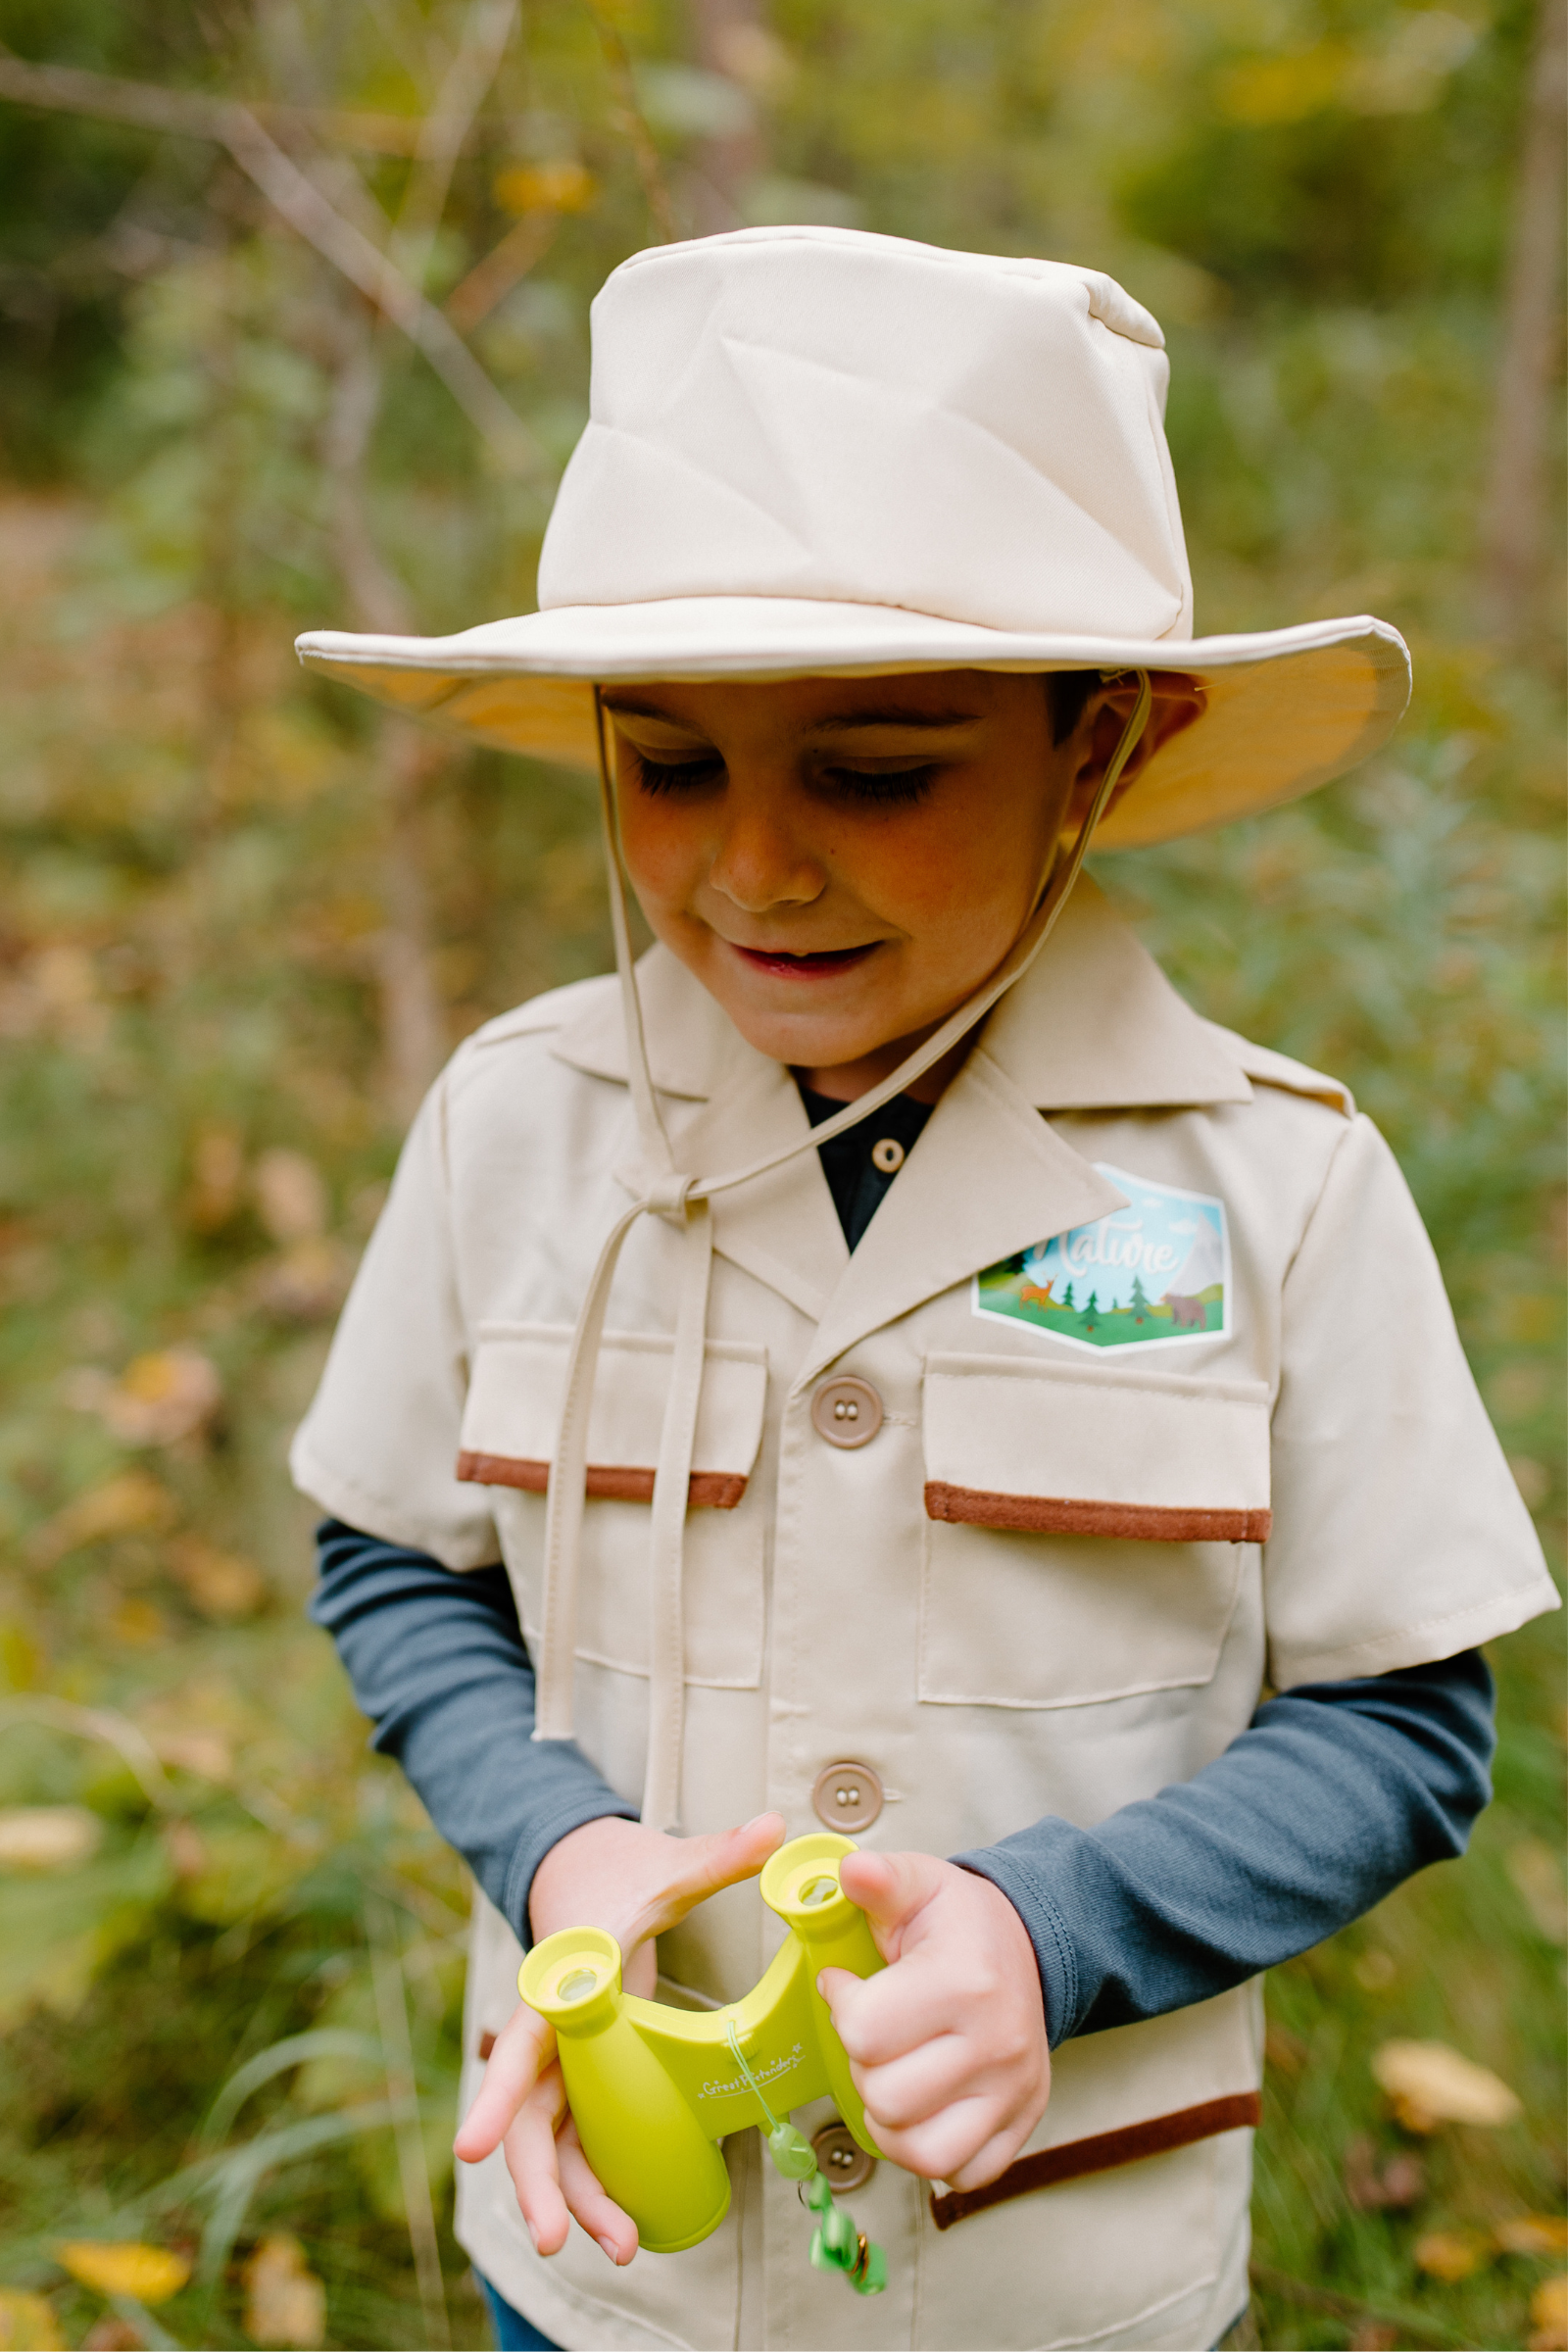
510 1424
1084 1528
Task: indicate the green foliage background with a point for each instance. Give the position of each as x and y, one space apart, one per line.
201 927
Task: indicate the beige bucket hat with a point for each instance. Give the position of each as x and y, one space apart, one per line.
816 451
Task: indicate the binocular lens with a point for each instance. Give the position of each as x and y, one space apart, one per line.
817 1891
577 1986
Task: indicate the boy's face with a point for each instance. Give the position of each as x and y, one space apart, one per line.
842 862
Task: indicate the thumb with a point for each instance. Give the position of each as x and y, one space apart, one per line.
890 1890
703 1864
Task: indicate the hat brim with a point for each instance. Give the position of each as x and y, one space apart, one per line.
1285 710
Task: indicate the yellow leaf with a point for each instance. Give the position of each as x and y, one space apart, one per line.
120 1506
1450 2254
159 1398
1548 2311
1431 2084
149 2273
1537 1874
1533 2234
285 2303
290 1197
47 1837
558 187
28 2324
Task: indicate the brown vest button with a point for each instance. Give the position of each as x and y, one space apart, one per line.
846 1796
847 1411
840 2159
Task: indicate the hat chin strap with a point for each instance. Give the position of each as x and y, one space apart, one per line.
683 1199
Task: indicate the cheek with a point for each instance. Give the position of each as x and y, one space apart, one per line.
661 843
975 871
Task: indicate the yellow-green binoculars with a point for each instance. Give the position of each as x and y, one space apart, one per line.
654 2090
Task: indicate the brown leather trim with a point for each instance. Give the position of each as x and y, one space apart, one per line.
1102 2153
707 1489
487 2042
1054 1515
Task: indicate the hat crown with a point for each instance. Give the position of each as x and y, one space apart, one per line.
823 413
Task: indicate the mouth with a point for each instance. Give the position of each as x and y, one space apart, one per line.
828 965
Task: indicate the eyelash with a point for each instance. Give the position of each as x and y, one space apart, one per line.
895 788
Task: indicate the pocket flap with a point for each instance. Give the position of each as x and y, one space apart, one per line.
1072 1449
512 1413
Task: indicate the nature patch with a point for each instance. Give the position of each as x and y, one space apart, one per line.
1151 1275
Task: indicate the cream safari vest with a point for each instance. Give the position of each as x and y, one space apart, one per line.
1173 1406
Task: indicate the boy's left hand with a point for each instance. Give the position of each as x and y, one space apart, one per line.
947 2046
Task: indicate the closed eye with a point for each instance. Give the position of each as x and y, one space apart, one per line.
883 785
676 775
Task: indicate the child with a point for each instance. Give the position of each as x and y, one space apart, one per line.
962 1481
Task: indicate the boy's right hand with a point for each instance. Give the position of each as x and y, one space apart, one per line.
636 1884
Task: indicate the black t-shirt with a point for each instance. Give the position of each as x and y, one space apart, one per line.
854 1177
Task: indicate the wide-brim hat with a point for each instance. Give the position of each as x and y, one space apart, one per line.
815 452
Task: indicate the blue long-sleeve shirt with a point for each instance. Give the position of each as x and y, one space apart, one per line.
1334 1794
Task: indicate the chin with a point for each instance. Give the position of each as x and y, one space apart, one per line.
804 1040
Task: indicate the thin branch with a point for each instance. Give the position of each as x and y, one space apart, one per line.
1517 497
526 242
630 121
297 200
464 89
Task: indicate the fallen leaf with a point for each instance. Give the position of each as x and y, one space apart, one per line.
1431 2084
306 1282
218 1167
285 2303
1450 2254
557 187
151 2273
1537 1874
48 1837
1284 2050
28 2324
1373 2335
1548 2312
204 1753
186 1848
112 2333
136 1623
219 1583
1533 2234
123 1506
290 1197
159 1398
1400 2184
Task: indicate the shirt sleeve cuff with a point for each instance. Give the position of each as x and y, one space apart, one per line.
1044 1927
590 1801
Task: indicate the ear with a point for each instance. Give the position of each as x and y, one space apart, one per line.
1176 701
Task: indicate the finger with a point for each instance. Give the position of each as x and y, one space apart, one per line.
878 2018
918 2086
944 2147
703 1864
524 2049
993 2156
530 2148
892 1889
615 2232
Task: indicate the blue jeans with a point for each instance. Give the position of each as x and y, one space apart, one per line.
514 2334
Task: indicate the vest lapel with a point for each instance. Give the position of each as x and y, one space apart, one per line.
987 1177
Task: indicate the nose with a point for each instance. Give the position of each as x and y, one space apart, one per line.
759 864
